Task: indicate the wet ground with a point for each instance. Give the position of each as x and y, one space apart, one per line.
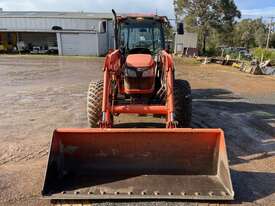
39 94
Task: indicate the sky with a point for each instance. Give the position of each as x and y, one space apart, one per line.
163 7
256 7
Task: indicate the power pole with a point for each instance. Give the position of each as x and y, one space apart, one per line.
269 32
268 36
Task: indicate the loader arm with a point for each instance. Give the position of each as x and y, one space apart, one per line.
112 67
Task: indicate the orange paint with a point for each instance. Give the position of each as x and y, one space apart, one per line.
140 61
140 109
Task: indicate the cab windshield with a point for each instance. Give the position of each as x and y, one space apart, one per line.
147 36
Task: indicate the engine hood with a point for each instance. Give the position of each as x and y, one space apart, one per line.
140 60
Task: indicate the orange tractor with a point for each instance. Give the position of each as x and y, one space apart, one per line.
104 162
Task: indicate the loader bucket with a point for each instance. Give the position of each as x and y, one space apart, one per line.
98 164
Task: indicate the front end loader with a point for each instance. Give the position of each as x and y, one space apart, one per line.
107 163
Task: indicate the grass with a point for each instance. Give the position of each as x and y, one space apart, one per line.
268 54
186 60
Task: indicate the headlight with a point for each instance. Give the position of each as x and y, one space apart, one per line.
148 73
131 73
139 72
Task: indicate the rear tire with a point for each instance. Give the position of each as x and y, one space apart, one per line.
94 103
183 103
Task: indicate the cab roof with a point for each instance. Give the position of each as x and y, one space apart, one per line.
142 16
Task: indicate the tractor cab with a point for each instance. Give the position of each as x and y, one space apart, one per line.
140 38
141 34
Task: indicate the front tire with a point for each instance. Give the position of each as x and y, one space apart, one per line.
94 103
182 103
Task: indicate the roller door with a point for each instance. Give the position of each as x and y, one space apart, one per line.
79 44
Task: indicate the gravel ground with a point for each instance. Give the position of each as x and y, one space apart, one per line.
39 94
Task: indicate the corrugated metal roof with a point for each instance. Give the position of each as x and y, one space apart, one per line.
51 14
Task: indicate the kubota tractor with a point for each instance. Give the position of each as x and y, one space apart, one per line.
139 76
103 162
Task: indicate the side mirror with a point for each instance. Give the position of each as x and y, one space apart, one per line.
180 28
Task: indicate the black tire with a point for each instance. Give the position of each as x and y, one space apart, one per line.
94 103
183 103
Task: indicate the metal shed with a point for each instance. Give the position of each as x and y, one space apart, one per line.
72 33
186 44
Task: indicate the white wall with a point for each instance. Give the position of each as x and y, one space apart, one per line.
188 40
16 23
86 44
111 34
103 44
78 37
78 43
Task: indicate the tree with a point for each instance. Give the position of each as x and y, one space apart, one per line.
250 33
204 16
260 37
227 14
179 8
272 40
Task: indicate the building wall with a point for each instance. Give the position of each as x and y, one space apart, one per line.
78 44
103 44
86 44
111 34
79 36
21 23
188 40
